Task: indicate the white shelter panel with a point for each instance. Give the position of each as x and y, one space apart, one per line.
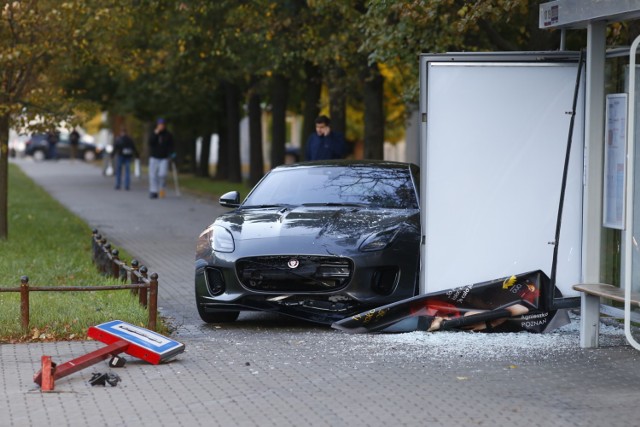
496 138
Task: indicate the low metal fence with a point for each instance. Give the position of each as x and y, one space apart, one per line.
108 262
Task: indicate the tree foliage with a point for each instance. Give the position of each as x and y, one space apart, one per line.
150 58
38 39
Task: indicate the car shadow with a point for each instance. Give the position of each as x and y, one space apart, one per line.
274 322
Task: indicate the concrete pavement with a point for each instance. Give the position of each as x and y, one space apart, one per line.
266 370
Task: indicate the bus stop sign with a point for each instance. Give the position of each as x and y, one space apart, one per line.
120 337
144 344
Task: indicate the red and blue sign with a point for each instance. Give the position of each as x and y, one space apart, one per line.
143 343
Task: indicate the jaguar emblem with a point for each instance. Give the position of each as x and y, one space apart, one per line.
293 263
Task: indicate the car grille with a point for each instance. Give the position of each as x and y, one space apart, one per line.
294 273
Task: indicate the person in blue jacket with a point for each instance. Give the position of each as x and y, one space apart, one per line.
124 152
325 144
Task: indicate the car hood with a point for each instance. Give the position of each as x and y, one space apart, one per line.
345 225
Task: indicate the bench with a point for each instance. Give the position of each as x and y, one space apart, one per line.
590 309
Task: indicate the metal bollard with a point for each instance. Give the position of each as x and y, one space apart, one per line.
135 265
142 296
115 265
153 301
24 303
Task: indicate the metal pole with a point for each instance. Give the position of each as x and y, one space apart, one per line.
594 152
551 302
95 237
115 265
153 301
174 171
142 296
629 246
82 362
134 276
24 303
47 374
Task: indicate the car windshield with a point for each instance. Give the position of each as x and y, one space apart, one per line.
353 185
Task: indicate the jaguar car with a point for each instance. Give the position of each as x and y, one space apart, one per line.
318 241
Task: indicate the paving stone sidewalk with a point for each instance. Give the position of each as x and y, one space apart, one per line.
269 371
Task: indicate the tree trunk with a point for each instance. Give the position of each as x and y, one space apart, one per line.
311 103
4 176
193 160
205 152
186 147
233 117
222 167
373 113
338 102
256 157
279 99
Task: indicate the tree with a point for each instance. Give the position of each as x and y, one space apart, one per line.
397 32
374 118
256 158
284 22
311 107
232 98
35 49
349 70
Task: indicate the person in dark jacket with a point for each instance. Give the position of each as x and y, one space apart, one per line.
124 151
74 141
160 153
325 144
52 140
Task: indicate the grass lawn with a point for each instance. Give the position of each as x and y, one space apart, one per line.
52 247
208 186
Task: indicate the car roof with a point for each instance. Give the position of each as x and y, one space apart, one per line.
348 162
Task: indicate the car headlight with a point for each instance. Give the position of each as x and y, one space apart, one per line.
215 238
203 247
222 240
379 241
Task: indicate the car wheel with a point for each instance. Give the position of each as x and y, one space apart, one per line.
39 155
217 316
89 156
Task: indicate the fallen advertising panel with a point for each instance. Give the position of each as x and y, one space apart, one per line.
513 303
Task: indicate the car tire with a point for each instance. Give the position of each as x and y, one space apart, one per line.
89 156
217 316
39 155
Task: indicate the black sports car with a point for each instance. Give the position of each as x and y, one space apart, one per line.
319 241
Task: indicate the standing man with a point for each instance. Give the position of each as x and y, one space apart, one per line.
74 140
160 151
124 151
325 144
52 140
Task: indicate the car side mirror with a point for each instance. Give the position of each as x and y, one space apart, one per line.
230 199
